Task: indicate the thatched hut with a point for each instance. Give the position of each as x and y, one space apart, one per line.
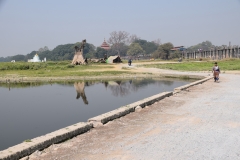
114 59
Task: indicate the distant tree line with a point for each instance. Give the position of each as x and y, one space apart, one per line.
207 45
121 44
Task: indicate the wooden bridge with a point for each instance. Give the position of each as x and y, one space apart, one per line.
226 52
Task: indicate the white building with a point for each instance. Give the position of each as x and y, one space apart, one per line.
36 59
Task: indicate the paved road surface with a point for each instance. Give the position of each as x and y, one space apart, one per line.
201 123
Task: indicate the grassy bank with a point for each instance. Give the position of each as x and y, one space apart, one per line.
230 64
55 69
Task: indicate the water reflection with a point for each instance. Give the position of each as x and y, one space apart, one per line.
80 86
22 118
21 85
120 88
123 88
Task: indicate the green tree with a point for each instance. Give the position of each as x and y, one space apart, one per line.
100 52
148 47
118 49
207 45
118 40
135 49
163 51
18 57
43 49
175 54
159 53
167 48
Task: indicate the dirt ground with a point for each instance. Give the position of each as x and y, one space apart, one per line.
202 122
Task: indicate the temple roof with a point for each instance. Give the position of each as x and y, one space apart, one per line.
105 45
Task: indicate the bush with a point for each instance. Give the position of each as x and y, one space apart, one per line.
22 66
70 66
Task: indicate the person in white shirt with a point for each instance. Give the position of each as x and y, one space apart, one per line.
216 71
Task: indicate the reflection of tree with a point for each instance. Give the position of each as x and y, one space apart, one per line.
105 84
123 88
79 86
119 89
10 85
168 83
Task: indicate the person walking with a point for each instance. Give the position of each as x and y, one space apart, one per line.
216 71
129 61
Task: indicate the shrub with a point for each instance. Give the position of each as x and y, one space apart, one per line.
70 66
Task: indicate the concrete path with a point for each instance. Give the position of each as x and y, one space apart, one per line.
200 123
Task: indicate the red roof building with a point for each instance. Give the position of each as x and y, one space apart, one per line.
177 48
105 45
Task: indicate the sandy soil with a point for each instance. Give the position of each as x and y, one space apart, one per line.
200 123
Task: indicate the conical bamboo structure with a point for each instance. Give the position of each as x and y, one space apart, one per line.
78 58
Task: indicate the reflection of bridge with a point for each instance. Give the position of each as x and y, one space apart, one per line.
226 52
79 86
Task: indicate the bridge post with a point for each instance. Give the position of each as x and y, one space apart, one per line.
238 48
221 57
224 53
238 52
230 55
227 53
215 54
233 52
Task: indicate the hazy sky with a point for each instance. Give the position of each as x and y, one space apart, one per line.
27 25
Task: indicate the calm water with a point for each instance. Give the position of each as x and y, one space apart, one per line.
30 110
